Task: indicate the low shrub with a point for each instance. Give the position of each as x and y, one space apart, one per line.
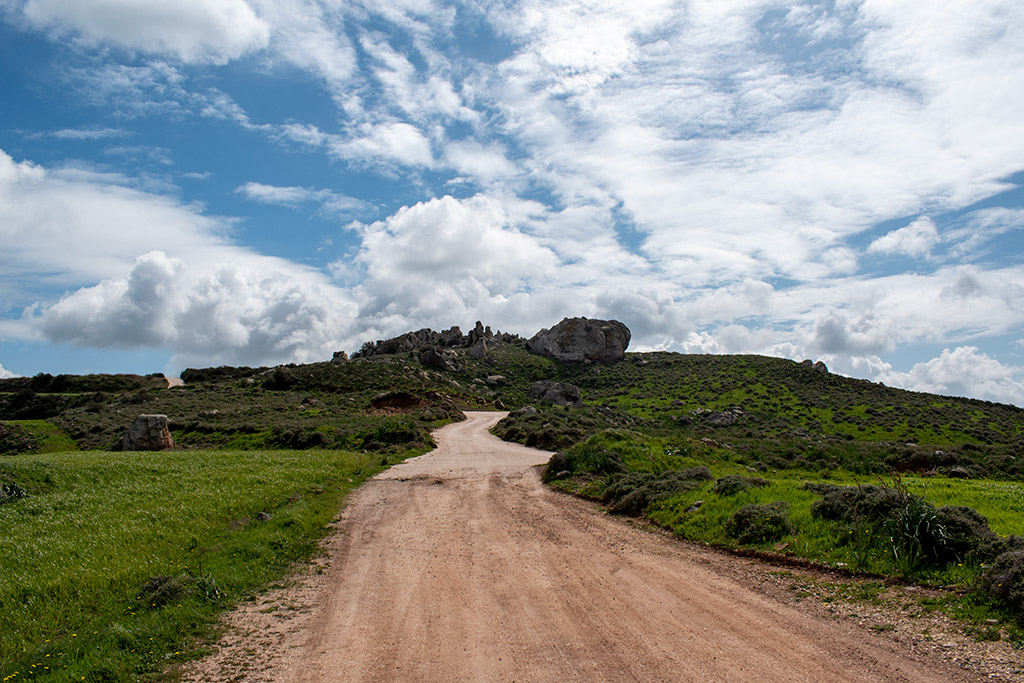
10 491
916 536
731 484
759 523
635 492
967 533
1004 580
853 504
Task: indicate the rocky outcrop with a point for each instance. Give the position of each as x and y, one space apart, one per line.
816 366
437 357
147 433
581 340
724 418
558 393
452 338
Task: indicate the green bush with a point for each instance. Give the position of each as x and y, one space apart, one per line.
853 504
731 484
633 493
1004 580
759 523
916 535
10 491
966 533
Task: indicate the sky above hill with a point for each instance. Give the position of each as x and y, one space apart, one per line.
205 182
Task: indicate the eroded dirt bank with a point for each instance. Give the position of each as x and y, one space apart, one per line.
460 566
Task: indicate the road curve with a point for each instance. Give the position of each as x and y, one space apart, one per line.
460 566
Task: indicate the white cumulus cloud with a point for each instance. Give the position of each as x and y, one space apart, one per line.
386 142
145 270
246 309
438 260
192 30
6 374
916 239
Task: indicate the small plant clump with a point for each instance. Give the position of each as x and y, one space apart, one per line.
10 491
633 493
760 523
732 484
1004 580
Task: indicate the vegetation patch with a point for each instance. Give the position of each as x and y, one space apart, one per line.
757 523
115 565
731 484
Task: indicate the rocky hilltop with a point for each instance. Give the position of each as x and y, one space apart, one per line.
452 338
574 340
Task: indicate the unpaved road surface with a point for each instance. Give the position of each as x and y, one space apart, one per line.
460 566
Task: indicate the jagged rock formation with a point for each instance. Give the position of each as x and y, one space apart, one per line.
147 433
558 393
582 340
452 338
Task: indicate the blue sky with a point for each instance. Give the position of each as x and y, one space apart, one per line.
206 182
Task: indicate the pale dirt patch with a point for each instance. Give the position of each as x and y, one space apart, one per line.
460 565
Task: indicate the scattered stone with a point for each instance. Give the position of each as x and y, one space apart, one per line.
263 517
558 393
147 433
339 357
579 340
495 380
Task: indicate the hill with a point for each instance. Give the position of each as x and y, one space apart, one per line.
767 412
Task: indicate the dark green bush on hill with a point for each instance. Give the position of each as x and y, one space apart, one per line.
1004 580
633 493
731 484
853 504
758 523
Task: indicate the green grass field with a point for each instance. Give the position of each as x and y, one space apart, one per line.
674 483
113 566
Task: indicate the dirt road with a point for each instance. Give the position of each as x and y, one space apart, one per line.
460 566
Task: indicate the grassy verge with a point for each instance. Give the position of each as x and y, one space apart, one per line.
115 565
915 528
